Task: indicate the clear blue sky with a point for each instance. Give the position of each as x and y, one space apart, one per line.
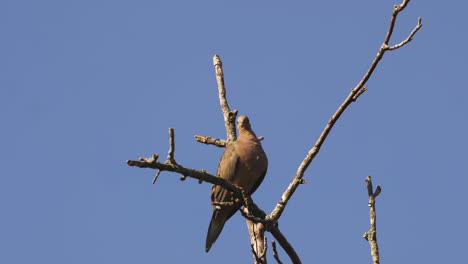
86 85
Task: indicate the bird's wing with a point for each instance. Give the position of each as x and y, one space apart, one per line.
227 169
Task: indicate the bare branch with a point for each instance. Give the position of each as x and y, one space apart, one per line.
285 244
354 94
229 116
275 252
187 172
211 141
371 235
247 207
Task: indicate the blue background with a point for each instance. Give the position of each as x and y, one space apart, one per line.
86 85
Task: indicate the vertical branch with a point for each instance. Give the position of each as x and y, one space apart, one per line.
257 241
371 235
256 230
229 116
170 153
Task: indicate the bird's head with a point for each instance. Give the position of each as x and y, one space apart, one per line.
243 123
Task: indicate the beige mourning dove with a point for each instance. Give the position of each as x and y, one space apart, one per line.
243 163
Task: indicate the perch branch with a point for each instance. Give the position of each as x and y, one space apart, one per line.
187 172
248 208
275 252
354 94
371 235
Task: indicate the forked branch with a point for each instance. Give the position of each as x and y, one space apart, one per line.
353 95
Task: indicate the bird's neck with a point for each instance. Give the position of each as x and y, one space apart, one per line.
247 134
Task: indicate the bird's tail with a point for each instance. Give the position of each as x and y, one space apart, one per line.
216 225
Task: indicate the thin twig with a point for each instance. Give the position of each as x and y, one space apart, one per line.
284 243
275 252
229 116
361 91
156 176
396 10
170 154
409 38
355 92
371 235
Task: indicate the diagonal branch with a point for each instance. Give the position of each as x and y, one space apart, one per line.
371 235
188 172
353 95
285 244
247 207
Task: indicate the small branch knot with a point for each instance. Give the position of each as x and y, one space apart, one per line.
377 191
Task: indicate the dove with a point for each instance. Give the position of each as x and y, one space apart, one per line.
243 163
